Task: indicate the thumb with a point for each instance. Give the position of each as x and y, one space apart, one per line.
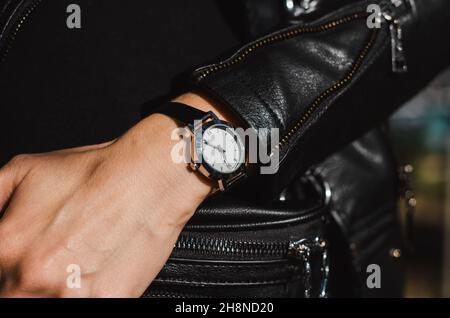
11 175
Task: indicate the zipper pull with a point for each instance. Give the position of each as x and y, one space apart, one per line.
399 64
389 14
301 251
324 267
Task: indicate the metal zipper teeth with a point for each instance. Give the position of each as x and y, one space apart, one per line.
291 33
172 295
251 248
276 38
342 83
225 246
22 20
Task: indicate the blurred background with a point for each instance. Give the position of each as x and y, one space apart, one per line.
421 135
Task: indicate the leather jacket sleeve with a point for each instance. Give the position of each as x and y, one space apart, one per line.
324 83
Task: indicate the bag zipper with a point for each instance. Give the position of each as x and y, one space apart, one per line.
229 247
24 15
171 294
301 251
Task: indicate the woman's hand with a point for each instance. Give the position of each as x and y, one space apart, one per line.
112 210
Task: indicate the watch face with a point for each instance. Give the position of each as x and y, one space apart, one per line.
222 149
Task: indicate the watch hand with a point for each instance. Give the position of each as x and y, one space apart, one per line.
229 165
224 156
215 147
221 149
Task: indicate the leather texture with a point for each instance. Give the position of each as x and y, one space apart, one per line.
234 248
326 82
363 182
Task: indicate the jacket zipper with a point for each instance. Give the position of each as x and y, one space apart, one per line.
15 30
388 15
289 33
202 73
301 251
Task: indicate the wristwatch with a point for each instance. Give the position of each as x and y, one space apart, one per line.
217 151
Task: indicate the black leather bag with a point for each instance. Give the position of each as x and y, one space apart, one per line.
315 240
232 248
365 188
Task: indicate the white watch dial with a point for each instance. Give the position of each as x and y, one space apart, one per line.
222 149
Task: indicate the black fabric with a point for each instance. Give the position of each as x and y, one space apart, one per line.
63 87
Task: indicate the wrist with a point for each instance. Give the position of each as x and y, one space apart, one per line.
179 189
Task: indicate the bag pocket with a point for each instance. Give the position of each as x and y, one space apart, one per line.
236 249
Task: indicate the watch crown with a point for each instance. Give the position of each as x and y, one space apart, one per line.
194 166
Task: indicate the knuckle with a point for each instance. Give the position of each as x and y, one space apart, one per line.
16 162
19 165
19 159
37 275
9 245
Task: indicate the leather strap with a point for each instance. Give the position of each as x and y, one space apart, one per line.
181 112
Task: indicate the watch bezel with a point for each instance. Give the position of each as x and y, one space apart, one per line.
198 162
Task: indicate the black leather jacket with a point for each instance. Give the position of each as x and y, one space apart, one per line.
324 78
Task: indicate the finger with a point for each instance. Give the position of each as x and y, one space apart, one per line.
11 175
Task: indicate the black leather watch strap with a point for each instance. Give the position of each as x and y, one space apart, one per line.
181 112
